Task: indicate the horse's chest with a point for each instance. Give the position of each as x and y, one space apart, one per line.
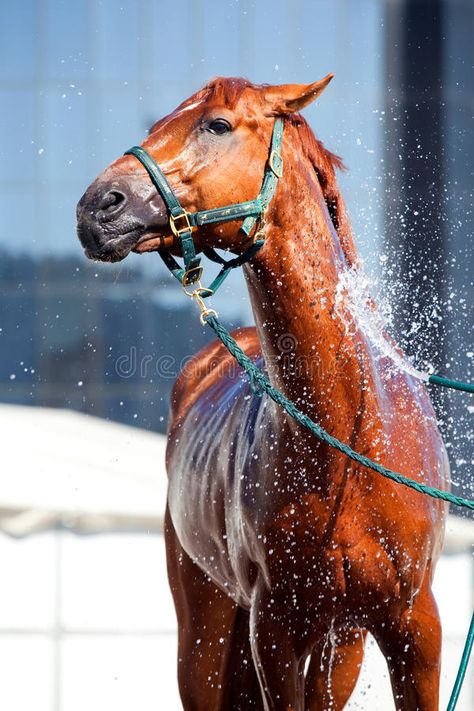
215 484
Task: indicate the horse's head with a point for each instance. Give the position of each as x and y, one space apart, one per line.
212 148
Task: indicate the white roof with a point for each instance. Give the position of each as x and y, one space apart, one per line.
63 468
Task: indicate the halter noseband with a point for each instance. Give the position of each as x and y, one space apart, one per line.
182 222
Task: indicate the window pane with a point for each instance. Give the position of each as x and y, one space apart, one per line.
18 39
66 156
27 592
116 581
19 211
118 38
27 664
60 208
68 27
164 26
120 674
220 45
18 152
19 361
123 121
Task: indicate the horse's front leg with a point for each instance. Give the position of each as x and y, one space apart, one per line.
412 647
215 668
334 669
278 649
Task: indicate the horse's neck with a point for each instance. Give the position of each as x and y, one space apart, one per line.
292 286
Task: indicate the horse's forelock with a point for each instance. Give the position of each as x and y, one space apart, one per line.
226 89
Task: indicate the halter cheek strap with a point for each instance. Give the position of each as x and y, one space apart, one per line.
182 223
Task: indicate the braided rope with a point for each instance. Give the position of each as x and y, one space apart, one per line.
258 379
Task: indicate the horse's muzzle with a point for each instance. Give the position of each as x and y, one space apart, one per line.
116 214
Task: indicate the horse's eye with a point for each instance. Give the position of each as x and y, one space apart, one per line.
219 127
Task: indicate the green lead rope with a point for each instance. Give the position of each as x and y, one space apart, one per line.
259 381
454 384
462 667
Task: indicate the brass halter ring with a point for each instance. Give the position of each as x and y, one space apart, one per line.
197 295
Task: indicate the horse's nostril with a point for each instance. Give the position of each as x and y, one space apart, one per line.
112 202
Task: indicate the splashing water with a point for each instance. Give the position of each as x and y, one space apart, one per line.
355 307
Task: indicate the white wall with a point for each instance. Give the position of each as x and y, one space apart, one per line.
87 622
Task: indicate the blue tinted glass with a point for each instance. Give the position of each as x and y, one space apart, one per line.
18 39
18 313
270 29
168 25
17 128
60 211
19 219
65 357
365 64
118 39
168 96
123 121
220 40
319 41
68 56
66 153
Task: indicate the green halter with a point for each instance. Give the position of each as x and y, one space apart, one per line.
182 222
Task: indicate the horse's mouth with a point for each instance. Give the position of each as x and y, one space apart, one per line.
114 249
118 216
151 241
138 241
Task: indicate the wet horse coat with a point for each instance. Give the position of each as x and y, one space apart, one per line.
282 552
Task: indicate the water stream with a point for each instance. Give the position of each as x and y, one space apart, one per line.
355 307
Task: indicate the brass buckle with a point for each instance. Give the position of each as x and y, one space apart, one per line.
197 295
260 228
177 231
271 162
205 312
191 276
259 233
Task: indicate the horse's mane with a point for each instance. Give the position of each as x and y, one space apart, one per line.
325 163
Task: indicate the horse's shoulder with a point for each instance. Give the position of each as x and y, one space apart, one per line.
210 364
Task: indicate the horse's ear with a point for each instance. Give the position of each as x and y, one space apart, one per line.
287 98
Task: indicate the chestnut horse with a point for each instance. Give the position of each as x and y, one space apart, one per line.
282 553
